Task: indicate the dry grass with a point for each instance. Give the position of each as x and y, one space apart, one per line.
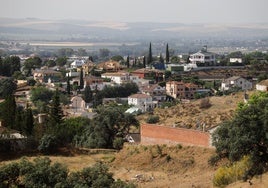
190 115
185 167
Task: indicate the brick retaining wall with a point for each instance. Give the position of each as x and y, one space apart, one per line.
155 134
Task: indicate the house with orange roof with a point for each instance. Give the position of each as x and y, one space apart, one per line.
109 66
157 92
181 90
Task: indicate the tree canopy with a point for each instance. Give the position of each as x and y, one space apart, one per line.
7 87
246 134
43 173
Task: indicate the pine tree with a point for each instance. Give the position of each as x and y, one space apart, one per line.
167 54
56 113
68 85
81 79
150 56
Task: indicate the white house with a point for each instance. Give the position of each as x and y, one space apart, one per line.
77 63
142 101
262 86
236 60
121 77
203 58
236 81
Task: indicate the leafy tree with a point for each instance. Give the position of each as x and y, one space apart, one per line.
48 144
81 52
50 63
104 53
70 129
41 94
246 134
7 87
43 173
150 56
9 66
65 52
167 54
110 123
175 59
31 82
117 58
61 61
96 176
18 75
88 94
32 63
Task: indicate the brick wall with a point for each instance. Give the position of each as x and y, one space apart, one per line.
155 134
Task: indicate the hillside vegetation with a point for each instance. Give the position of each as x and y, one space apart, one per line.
190 115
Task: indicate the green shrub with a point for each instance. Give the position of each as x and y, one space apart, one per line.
48 144
229 174
118 143
152 119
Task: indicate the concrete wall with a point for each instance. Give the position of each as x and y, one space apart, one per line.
155 134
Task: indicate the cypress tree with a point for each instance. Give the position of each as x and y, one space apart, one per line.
68 85
8 112
144 61
161 59
56 113
167 54
88 94
150 56
128 61
81 79
28 122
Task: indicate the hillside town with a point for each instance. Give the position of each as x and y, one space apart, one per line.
72 101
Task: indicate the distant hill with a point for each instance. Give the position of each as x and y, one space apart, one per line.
117 31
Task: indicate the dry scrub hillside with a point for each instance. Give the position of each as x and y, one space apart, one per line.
190 115
162 166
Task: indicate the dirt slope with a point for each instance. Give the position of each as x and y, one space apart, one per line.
162 166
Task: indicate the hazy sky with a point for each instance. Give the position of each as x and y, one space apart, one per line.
182 11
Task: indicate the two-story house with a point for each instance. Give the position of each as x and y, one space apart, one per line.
203 58
95 83
151 74
157 92
142 101
181 90
236 82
